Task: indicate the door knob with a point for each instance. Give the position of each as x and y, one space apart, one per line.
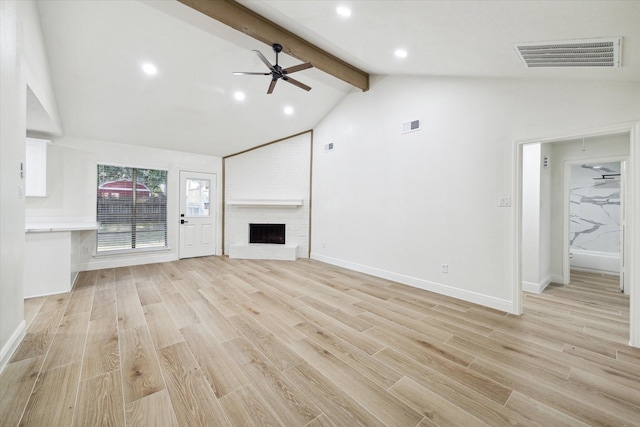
182 221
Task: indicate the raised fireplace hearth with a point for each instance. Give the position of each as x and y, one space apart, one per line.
267 229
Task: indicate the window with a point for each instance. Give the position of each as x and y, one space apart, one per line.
132 217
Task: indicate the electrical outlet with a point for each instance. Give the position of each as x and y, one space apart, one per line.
444 268
85 250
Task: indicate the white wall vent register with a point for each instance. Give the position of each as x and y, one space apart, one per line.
411 126
602 52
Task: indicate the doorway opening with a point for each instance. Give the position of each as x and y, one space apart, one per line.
596 217
197 234
596 146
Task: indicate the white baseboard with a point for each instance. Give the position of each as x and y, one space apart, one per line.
536 287
47 294
595 261
126 260
12 344
75 280
557 278
474 297
591 270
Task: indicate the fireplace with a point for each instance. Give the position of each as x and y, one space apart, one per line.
267 233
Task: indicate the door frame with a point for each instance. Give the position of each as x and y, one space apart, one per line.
214 204
566 207
632 235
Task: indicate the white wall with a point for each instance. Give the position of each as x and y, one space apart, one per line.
36 65
536 181
544 242
531 168
22 63
12 130
400 206
278 171
72 181
571 151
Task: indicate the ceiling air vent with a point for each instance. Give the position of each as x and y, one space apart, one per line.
604 52
411 126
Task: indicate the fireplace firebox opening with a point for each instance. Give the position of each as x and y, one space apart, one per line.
267 233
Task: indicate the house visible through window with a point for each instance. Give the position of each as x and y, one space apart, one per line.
132 216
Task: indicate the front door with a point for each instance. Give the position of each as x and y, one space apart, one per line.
197 214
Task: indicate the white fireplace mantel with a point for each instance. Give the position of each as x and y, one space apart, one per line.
266 203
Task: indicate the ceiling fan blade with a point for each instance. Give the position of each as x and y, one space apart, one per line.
272 86
243 73
296 83
265 60
295 68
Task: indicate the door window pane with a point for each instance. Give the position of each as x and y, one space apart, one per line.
197 197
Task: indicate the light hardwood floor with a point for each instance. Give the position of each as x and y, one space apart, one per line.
214 341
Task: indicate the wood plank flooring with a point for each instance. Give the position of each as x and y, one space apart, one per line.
221 342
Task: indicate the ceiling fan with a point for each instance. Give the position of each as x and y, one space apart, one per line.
277 72
608 176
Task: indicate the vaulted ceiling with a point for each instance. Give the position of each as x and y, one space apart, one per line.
96 50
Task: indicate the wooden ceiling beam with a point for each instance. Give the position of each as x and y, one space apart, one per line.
252 24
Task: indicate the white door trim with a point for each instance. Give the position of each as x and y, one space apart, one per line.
213 206
623 226
632 235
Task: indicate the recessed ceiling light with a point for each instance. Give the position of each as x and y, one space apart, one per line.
149 69
400 53
343 11
288 110
239 96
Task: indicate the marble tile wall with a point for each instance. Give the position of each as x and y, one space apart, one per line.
595 207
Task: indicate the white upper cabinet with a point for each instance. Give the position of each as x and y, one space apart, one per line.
36 167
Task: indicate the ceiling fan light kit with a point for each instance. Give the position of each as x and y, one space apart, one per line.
277 72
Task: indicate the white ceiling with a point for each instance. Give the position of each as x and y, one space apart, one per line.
96 48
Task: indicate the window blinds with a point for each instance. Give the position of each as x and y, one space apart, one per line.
131 208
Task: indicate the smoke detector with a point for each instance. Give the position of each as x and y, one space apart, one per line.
601 52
